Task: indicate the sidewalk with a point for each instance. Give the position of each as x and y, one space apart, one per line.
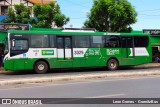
149 65
76 76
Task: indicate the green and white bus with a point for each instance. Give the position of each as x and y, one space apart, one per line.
44 49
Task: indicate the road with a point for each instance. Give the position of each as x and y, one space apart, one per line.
59 72
98 88
128 87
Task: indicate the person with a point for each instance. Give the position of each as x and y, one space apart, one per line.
157 57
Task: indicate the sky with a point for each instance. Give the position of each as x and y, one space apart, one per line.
148 12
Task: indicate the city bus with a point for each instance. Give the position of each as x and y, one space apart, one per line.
44 49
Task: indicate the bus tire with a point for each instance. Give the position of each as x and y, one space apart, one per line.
112 64
41 67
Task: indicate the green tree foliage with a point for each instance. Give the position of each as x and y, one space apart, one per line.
111 15
46 14
19 15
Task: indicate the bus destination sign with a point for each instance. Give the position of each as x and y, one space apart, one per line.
5 27
153 32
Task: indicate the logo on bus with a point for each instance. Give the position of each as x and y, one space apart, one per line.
47 52
113 52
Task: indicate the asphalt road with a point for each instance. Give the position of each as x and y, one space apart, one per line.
128 87
63 72
131 87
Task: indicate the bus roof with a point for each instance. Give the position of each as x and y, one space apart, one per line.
56 32
60 31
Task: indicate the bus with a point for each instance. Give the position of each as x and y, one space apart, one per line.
44 49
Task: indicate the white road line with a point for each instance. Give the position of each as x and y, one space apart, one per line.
76 83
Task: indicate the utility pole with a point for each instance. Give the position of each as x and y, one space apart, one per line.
42 1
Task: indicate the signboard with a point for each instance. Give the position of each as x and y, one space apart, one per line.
153 32
4 27
47 52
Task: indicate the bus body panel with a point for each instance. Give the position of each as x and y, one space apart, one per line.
94 57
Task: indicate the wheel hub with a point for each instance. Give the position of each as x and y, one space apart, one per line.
41 67
112 65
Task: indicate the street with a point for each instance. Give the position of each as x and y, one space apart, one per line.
128 87
109 87
62 72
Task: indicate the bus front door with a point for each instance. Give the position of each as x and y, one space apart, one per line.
128 50
64 51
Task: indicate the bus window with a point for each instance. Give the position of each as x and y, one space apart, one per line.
97 41
82 41
113 41
39 41
20 45
127 42
52 42
67 42
141 41
60 42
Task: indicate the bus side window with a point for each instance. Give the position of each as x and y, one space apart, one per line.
141 41
60 42
113 41
39 41
52 41
38 44
82 42
67 42
97 41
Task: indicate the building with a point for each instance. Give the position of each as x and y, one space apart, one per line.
41 1
5 4
155 40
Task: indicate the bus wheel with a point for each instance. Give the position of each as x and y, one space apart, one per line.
41 67
112 64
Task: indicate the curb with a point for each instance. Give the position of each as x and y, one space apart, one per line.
77 77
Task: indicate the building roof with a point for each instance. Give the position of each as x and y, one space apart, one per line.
41 1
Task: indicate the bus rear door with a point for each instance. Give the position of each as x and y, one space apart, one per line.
65 51
128 50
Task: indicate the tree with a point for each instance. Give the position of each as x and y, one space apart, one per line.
19 15
46 15
111 15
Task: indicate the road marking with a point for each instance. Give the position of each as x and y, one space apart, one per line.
76 83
